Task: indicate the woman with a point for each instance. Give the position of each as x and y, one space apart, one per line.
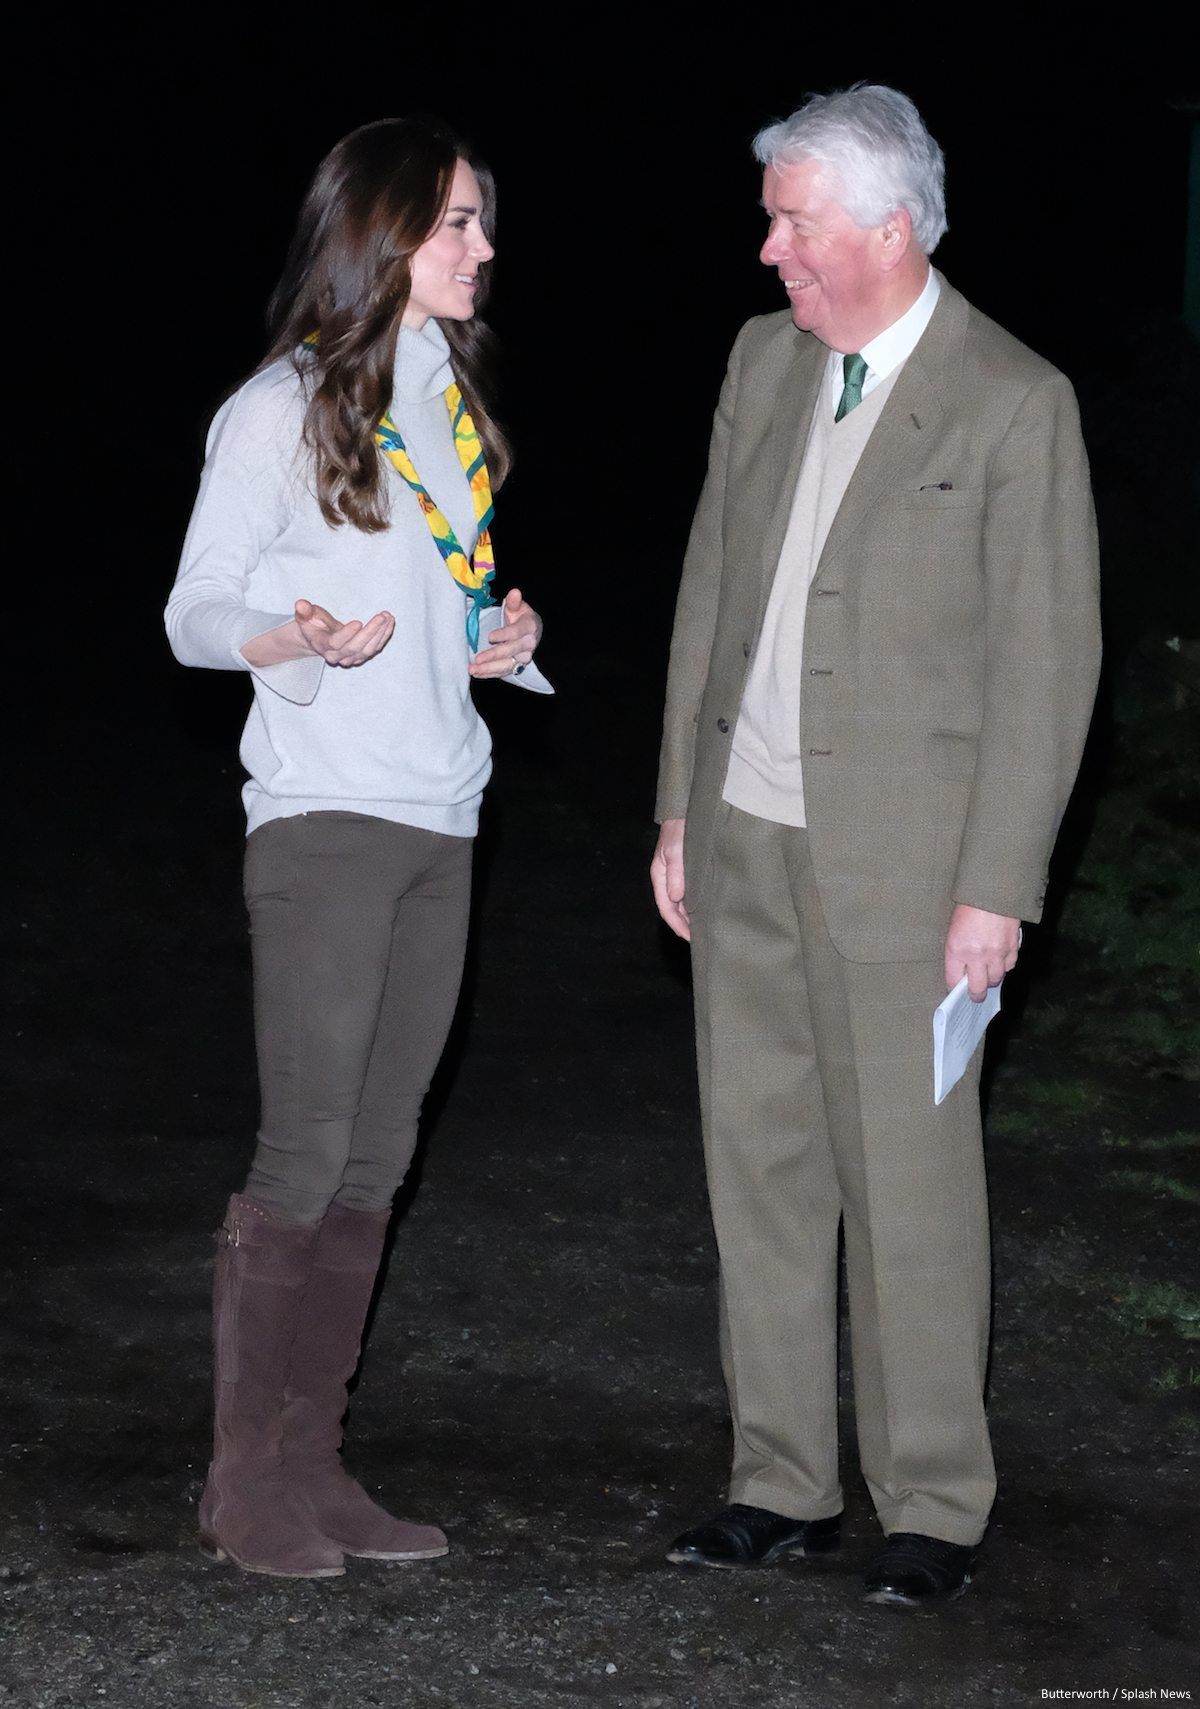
349 475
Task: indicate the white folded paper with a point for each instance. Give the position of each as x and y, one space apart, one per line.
958 1026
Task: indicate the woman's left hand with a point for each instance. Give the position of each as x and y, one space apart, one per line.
511 644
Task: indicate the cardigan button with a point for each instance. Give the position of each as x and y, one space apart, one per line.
723 726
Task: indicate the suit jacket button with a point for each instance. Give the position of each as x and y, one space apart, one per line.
723 726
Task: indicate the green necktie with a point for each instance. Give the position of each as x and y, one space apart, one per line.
854 370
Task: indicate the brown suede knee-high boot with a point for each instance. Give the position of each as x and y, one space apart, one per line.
324 1355
249 1514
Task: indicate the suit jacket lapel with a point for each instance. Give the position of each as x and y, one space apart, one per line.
795 400
911 410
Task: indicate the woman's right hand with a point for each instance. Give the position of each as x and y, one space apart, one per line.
315 630
350 643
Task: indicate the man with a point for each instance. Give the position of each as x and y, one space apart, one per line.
882 671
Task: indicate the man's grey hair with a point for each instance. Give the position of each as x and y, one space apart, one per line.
878 151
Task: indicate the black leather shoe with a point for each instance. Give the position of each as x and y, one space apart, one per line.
754 1537
913 1571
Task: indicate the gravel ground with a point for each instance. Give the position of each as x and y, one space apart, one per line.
541 1378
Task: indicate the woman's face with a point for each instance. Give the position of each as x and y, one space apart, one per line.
444 268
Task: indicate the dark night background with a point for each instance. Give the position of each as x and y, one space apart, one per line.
561 1214
627 259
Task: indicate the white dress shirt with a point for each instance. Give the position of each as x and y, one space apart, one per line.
893 346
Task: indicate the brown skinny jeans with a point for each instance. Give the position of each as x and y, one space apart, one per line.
358 929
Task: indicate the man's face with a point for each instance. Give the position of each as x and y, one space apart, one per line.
828 264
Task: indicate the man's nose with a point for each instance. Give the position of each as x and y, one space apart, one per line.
769 254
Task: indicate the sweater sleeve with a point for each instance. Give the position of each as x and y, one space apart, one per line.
531 677
243 506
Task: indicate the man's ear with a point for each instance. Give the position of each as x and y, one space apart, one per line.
895 236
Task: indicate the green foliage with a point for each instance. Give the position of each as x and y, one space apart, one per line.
1048 1102
1152 1142
1155 1181
1174 1378
1138 1305
1133 910
1149 1181
1064 1097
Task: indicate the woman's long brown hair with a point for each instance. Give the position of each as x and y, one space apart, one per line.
375 199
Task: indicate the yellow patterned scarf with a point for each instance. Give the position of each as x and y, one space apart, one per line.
473 575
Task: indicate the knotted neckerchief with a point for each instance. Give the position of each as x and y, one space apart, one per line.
473 575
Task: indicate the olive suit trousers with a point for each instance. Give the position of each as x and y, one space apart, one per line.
816 1082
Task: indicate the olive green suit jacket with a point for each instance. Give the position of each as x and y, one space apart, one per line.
951 643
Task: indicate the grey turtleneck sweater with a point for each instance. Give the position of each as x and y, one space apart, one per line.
398 737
